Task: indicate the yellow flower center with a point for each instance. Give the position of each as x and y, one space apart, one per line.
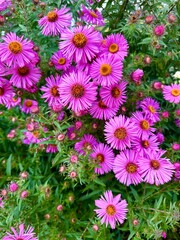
115 92
77 91
144 124
155 164
120 133
151 109
131 167
105 69
175 92
28 103
110 210
15 47
100 157
23 71
113 48
54 91
93 14
79 40
145 144
102 105
35 134
62 61
1 91
52 16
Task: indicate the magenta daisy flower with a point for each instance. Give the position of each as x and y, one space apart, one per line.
119 132
60 62
100 110
26 76
77 91
13 102
23 234
156 169
142 124
4 70
104 156
92 16
151 108
114 95
87 143
126 168
28 105
32 137
81 44
106 70
4 4
55 21
172 93
6 91
16 51
116 45
52 94
112 209
146 145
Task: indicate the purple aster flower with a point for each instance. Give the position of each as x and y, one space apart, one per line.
4 4
151 108
55 21
4 70
32 137
51 148
156 169
106 70
114 95
91 16
26 76
52 94
13 102
28 105
146 145
100 110
142 124
6 91
87 143
116 45
112 209
119 132
1 203
137 75
31 89
23 234
60 61
16 51
172 93
104 156
160 137
177 122
77 91
126 167
80 44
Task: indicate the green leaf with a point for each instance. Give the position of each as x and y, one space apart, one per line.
8 165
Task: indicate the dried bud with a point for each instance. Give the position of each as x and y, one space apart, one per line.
42 5
47 216
171 18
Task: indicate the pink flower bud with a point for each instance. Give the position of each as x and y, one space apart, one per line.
147 60
137 75
149 19
159 30
24 194
163 234
73 174
4 192
165 114
135 222
171 18
177 112
157 85
177 165
73 158
24 175
78 125
13 187
57 107
94 126
176 146
60 137
35 109
95 227
62 169
160 137
59 208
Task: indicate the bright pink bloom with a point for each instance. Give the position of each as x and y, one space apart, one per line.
55 21
15 51
172 93
27 105
22 235
106 70
86 144
126 167
4 4
151 108
159 30
137 75
51 148
6 91
156 169
119 132
13 102
103 155
91 16
80 44
60 61
157 85
176 146
77 91
112 209
13 187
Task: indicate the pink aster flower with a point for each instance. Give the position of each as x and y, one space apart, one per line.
151 108
16 51
112 209
159 30
126 167
172 93
106 70
4 4
137 75
23 234
55 21
80 44
156 169
51 148
114 95
60 62
13 102
26 76
52 94
4 70
28 105
87 143
119 132
91 16
32 137
116 45
104 156
6 91
146 145
77 91
101 111
142 124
